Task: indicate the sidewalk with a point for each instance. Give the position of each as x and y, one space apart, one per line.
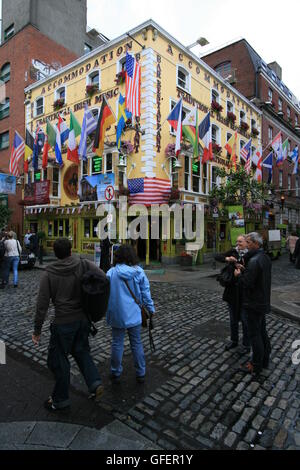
26 425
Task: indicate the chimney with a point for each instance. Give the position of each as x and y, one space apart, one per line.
276 68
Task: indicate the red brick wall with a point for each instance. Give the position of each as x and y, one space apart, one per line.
240 60
28 44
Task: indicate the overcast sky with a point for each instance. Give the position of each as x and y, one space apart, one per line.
270 26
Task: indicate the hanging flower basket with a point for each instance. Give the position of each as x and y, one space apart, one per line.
127 147
254 131
91 89
174 195
58 104
244 126
216 148
215 106
170 150
231 117
120 77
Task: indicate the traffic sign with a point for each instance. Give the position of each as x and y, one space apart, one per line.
109 193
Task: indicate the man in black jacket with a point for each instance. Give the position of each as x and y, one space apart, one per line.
233 296
255 280
70 329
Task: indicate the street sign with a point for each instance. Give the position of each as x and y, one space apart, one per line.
215 213
109 193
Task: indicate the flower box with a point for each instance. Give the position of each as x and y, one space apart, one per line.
244 126
91 89
58 104
231 117
120 77
170 150
254 131
215 106
216 148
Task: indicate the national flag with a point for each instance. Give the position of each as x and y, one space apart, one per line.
191 131
245 154
75 131
58 143
295 159
149 191
276 145
64 131
50 139
206 137
105 120
285 148
268 163
37 146
257 160
17 152
175 120
133 85
231 149
89 124
29 142
123 116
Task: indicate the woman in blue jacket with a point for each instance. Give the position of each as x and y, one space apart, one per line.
124 313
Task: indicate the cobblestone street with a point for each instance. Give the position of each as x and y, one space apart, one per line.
194 396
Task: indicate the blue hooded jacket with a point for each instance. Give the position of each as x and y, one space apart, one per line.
123 311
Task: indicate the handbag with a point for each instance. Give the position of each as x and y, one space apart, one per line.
226 276
146 315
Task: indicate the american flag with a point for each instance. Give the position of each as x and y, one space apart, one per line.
149 191
133 85
17 152
245 154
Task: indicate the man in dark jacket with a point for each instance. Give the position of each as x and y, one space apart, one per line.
233 296
70 329
255 280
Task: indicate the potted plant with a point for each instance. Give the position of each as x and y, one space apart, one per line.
58 104
215 106
170 150
254 131
185 259
216 148
231 117
91 89
127 147
120 77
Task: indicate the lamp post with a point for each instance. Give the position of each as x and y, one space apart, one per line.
200 41
282 199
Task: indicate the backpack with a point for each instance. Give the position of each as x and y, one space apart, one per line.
226 275
2 249
95 289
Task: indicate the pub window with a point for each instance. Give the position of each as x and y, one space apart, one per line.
270 133
204 179
288 112
296 120
121 65
61 228
4 108
96 165
183 79
87 228
279 104
270 94
196 176
215 96
214 178
253 124
230 108
84 168
242 117
5 72
187 173
94 79
60 94
108 163
39 106
55 182
215 134
174 173
4 140
50 228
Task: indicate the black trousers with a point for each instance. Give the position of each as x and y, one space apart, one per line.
259 339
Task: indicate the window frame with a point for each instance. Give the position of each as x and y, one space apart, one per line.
56 183
7 30
36 107
1 138
5 78
56 91
89 77
180 68
5 109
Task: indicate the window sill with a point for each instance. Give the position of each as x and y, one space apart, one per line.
184 89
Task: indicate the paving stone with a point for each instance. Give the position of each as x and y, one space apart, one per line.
267 438
270 401
248 413
231 439
238 406
10 432
53 434
239 427
243 446
250 436
276 414
297 438
257 422
280 439
198 421
218 432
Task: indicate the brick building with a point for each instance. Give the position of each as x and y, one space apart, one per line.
262 84
28 53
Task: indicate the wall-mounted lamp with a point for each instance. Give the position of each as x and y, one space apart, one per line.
282 199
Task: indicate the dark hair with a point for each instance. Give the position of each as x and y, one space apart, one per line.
125 255
62 248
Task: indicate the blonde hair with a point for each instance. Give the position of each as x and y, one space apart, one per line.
10 234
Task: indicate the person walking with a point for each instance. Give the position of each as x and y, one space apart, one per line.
124 313
27 239
70 328
105 254
12 255
233 296
291 244
255 279
297 254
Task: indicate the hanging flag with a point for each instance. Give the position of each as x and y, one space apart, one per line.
285 148
206 137
257 161
105 120
123 116
17 152
29 141
276 145
133 85
245 154
295 159
175 120
149 191
37 146
191 131
50 139
268 163
58 142
64 131
75 131
231 149
89 124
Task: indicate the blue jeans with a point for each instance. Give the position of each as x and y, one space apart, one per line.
235 318
70 338
137 350
14 262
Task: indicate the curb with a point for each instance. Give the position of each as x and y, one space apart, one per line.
284 313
